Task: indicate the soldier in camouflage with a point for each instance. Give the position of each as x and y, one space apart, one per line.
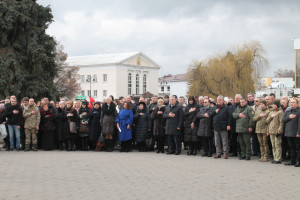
32 118
261 130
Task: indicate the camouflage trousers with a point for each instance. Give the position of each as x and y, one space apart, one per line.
31 133
264 146
276 147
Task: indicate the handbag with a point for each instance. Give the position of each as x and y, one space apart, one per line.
72 127
3 132
100 143
84 128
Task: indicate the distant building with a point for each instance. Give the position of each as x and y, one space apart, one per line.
279 86
116 74
297 66
173 85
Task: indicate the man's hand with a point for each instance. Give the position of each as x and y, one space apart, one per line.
33 112
18 127
262 115
178 129
15 112
250 130
217 111
292 116
273 115
192 110
37 128
171 114
160 112
206 115
241 115
228 128
192 125
142 114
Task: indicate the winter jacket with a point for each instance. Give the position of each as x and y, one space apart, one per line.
261 122
243 124
31 120
292 128
14 119
275 123
172 123
222 119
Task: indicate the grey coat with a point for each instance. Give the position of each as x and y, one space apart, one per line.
292 127
172 123
205 124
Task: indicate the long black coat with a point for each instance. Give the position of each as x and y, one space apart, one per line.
158 121
172 123
292 126
205 124
62 125
95 130
142 124
190 135
108 119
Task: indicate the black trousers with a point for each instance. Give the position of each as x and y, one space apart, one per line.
234 146
294 144
174 143
285 147
160 140
255 144
207 143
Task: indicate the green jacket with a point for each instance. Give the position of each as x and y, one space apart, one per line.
261 122
243 124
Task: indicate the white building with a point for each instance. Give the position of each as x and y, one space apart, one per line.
116 74
173 85
279 86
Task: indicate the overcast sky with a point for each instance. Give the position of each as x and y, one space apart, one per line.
175 32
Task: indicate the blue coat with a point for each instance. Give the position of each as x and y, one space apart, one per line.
124 118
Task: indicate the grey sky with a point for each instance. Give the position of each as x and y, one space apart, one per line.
175 32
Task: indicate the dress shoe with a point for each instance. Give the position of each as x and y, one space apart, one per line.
242 157
289 163
273 161
204 154
209 155
189 153
170 152
297 164
158 151
217 156
277 162
225 157
177 153
247 158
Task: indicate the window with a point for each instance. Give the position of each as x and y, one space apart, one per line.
95 78
137 80
162 89
82 93
281 93
88 78
129 84
82 78
168 88
144 83
104 77
89 93
95 93
104 93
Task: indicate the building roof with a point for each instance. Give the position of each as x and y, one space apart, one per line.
106 58
173 78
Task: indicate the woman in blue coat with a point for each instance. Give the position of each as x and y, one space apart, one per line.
124 124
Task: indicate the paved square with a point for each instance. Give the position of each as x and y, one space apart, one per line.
101 175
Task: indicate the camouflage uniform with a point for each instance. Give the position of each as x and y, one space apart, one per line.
31 121
261 131
275 129
242 128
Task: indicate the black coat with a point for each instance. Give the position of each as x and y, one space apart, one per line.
108 119
232 108
172 123
95 130
62 125
222 119
159 121
205 124
292 126
2 117
142 124
14 119
190 135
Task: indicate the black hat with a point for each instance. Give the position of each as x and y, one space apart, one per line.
143 104
84 103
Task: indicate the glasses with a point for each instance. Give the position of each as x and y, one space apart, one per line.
205 102
256 101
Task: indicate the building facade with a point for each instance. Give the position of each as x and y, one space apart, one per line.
116 74
173 85
279 86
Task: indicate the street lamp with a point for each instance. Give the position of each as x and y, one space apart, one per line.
90 80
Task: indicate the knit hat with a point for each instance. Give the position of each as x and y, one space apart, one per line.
2 107
143 104
277 103
97 102
264 102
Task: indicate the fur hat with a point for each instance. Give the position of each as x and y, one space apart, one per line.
143 104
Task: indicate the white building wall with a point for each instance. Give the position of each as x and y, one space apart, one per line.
179 88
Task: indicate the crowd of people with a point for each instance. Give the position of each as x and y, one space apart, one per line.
228 127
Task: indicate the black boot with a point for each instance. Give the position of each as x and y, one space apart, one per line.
82 144
86 143
69 146
61 147
34 147
27 148
122 146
